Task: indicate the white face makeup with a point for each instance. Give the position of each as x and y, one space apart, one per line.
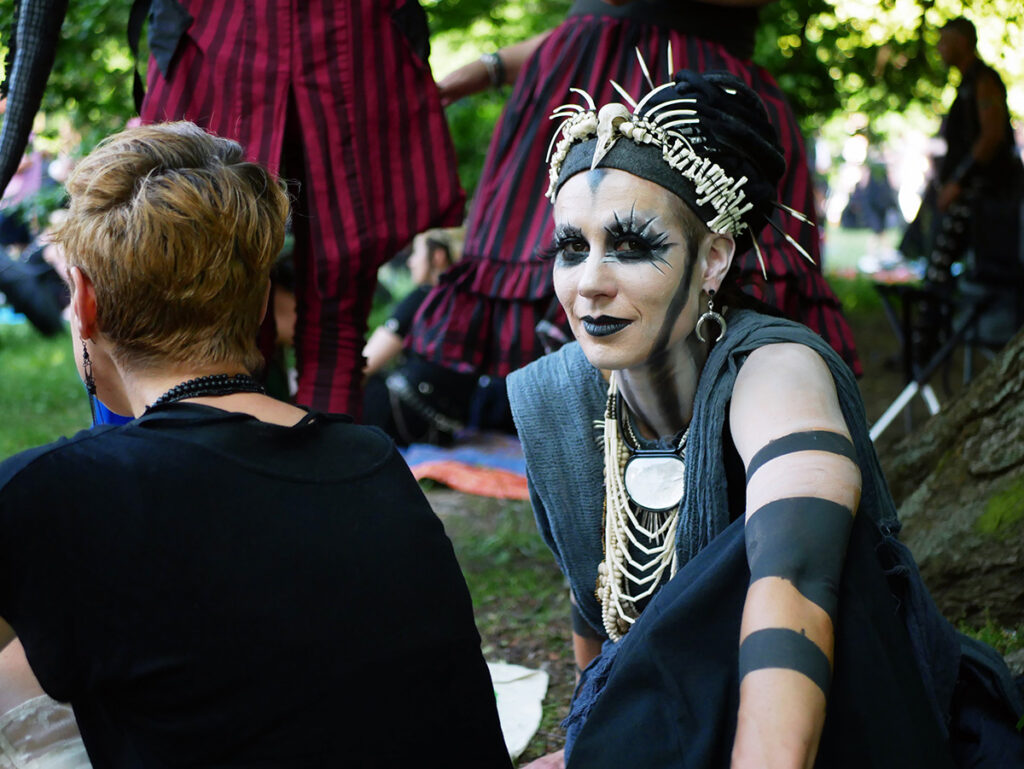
623 270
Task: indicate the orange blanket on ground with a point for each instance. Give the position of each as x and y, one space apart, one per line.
486 464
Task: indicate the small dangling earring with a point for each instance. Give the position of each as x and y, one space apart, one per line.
710 315
90 383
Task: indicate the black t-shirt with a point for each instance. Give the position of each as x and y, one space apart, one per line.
401 318
207 589
442 388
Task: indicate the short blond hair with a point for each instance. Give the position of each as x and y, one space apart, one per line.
177 233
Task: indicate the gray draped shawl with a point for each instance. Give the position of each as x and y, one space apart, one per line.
557 399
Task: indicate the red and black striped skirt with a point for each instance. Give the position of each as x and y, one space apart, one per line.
484 315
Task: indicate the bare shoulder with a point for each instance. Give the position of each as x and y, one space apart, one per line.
787 359
781 389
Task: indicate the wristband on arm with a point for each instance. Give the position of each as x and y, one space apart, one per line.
811 440
495 69
803 541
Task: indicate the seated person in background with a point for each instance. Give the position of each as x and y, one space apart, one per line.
432 253
227 580
419 401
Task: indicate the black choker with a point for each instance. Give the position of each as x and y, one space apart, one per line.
214 384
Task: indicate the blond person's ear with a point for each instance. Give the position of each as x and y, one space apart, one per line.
83 304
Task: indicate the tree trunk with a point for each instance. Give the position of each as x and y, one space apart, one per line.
959 484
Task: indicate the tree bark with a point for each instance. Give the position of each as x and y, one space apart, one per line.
959 484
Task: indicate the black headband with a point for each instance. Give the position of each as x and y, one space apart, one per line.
643 160
706 138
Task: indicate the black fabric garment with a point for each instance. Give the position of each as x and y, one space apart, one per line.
207 589
673 678
33 46
401 317
168 22
961 130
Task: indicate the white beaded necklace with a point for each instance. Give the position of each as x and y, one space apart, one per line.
620 573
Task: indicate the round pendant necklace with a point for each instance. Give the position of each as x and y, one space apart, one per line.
639 540
653 478
210 385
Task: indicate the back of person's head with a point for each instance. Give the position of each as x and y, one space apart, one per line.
964 28
177 233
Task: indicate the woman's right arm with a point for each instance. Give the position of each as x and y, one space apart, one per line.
585 650
17 682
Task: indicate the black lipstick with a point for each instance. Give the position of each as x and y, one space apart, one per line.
604 325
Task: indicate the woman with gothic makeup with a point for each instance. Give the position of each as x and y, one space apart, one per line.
705 478
225 580
496 310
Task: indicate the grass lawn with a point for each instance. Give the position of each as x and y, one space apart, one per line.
41 396
520 600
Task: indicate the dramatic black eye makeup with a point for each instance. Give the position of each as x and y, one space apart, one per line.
629 239
568 247
637 239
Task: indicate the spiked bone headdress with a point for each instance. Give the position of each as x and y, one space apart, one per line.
707 138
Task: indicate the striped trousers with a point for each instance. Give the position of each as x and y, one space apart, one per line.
341 90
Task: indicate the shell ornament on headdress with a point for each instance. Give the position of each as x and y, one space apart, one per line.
712 132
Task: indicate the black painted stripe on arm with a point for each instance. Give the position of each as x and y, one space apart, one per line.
803 540
777 647
812 440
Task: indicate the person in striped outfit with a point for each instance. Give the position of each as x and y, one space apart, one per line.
335 95
496 311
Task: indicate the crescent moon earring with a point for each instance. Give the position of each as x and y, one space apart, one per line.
711 315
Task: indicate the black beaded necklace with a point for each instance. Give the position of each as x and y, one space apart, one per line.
213 384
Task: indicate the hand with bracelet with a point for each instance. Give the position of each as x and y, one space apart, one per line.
491 70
